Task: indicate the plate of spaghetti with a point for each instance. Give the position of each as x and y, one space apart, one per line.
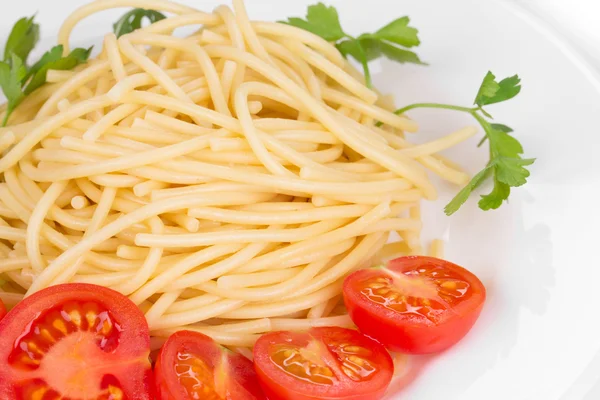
294 201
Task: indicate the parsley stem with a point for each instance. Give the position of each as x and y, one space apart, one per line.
484 124
434 105
364 61
473 111
486 128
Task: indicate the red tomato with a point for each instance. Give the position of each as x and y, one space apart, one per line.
75 341
2 310
192 366
415 304
323 363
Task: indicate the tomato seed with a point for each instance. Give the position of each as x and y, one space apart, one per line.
115 393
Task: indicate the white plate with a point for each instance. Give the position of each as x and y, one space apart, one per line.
538 337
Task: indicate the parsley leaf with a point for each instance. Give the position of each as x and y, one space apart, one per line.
502 128
51 55
397 54
16 80
503 144
497 127
506 166
11 76
512 170
352 47
22 39
465 192
492 91
496 197
80 54
325 17
324 21
320 20
374 49
53 59
488 89
132 20
399 32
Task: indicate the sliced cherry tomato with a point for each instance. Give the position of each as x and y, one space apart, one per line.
323 363
2 310
193 366
415 304
75 341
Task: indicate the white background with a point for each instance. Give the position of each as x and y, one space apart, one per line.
578 22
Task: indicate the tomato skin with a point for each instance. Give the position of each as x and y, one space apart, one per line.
2 310
241 382
130 354
408 333
279 385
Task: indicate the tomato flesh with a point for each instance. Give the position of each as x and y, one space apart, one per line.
75 341
323 363
415 304
192 366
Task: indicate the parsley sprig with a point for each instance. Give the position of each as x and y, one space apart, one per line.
389 41
17 80
132 20
506 166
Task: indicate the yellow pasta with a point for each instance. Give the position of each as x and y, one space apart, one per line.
226 182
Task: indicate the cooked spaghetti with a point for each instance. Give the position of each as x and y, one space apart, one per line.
226 181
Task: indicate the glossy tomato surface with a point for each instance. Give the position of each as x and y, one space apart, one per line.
192 366
415 304
75 341
323 363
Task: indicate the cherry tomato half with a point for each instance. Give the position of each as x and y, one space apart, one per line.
192 366
323 363
415 304
75 341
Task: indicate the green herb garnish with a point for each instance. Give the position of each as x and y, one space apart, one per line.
12 73
389 41
53 59
17 80
506 166
132 20
22 39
